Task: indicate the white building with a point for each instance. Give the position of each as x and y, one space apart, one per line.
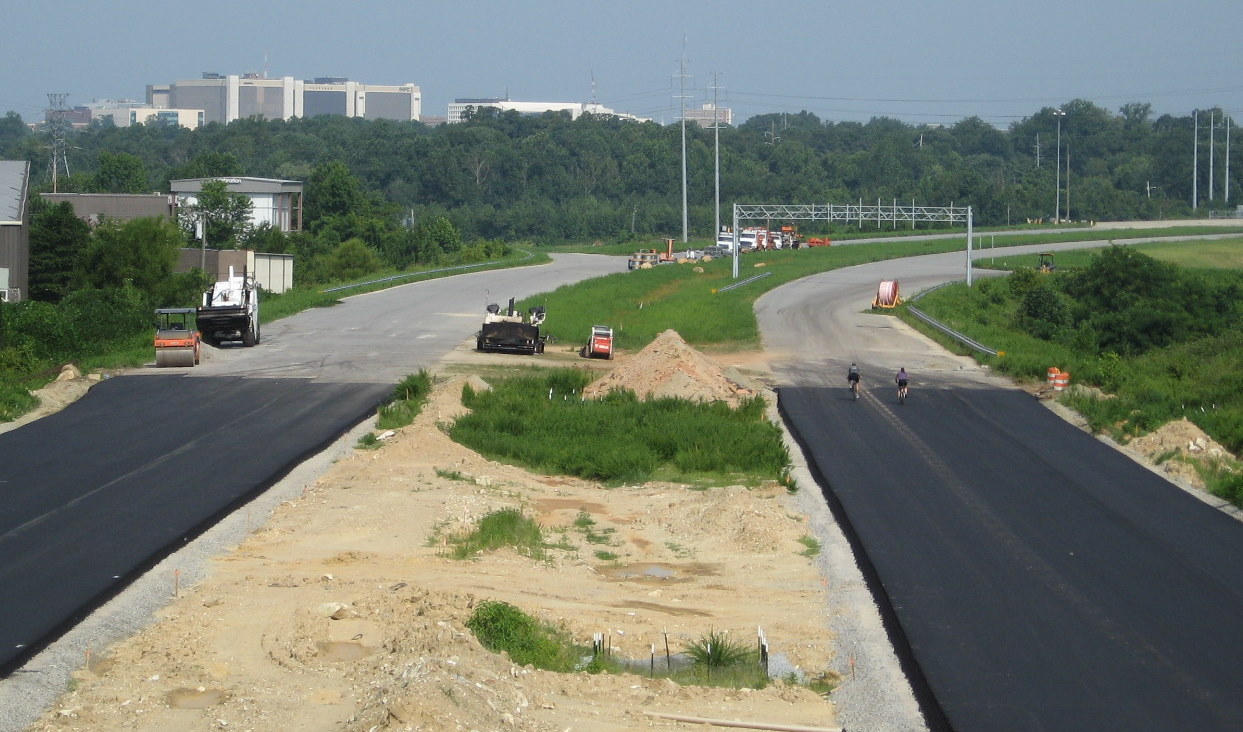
273 201
124 114
459 107
227 98
705 116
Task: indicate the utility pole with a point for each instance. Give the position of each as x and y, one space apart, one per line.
1195 159
682 100
1037 149
1226 196
1057 166
1211 120
716 152
1067 216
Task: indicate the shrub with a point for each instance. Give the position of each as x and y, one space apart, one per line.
501 627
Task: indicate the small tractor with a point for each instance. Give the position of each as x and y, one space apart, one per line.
230 311
176 342
600 345
1046 265
510 333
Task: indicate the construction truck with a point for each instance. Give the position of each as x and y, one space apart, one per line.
176 340
230 311
509 332
789 238
600 345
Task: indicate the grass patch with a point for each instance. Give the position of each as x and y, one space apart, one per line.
368 442
500 626
811 547
618 438
451 475
508 527
405 402
606 556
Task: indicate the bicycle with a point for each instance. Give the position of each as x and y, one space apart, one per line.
902 389
854 389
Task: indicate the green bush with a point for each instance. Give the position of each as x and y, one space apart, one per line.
508 527
616 438
500 626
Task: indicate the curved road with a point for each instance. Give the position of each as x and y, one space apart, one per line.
1032 577
96 494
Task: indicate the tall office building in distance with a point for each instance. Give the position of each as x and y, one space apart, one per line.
227 98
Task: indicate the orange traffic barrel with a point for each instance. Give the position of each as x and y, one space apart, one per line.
1061 381
1053 372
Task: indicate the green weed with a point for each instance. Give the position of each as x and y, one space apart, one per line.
508 527
812 546
500 626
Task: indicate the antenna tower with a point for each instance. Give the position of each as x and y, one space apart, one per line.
56 126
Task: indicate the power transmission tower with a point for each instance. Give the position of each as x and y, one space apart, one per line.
682 76
56 127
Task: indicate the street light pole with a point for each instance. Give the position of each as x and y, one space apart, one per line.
1057 193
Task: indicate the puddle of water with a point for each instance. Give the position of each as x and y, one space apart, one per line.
195 698
342 650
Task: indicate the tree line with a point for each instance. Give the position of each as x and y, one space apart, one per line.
501 175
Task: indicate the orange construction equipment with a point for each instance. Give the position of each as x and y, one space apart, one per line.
887 295
600 345
667 255
176 343
816 241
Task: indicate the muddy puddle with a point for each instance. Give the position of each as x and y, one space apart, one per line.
199 698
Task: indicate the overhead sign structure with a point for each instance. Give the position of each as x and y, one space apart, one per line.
853 213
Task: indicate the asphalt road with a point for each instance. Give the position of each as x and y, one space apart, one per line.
1033 577
94 495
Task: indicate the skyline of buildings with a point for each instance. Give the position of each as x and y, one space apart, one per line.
225 98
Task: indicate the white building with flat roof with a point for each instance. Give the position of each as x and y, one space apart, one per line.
225 98
459 107
275 202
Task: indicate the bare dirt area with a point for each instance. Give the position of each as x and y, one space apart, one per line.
343 611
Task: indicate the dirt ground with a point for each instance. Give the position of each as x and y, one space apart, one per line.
343 612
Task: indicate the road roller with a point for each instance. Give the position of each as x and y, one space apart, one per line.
176 340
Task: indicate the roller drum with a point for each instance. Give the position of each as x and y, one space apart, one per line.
174 357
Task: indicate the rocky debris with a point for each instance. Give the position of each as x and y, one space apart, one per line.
1180 445
668 367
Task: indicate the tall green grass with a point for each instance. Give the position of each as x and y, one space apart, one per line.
617 438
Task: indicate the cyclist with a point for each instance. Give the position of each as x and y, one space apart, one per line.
852 378
902 380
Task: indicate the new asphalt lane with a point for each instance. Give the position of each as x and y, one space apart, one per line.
1032 576
94 495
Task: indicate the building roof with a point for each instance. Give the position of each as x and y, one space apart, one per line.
238 184
14 176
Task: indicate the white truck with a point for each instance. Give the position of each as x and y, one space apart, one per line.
230 311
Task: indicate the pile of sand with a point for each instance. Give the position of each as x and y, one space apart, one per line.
668 367
1181 445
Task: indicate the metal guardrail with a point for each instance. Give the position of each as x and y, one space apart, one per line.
740 283
970 343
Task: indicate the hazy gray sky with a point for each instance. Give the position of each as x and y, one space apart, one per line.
922 62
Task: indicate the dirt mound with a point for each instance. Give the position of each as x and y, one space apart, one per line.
668 367
1180 445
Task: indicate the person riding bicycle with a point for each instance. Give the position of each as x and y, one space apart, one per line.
852 374
902 379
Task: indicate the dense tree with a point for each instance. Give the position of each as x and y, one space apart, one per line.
140 253
120 173
57 239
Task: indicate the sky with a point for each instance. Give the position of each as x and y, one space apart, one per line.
920 62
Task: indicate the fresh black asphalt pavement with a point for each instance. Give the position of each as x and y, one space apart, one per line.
86 509
1039 579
